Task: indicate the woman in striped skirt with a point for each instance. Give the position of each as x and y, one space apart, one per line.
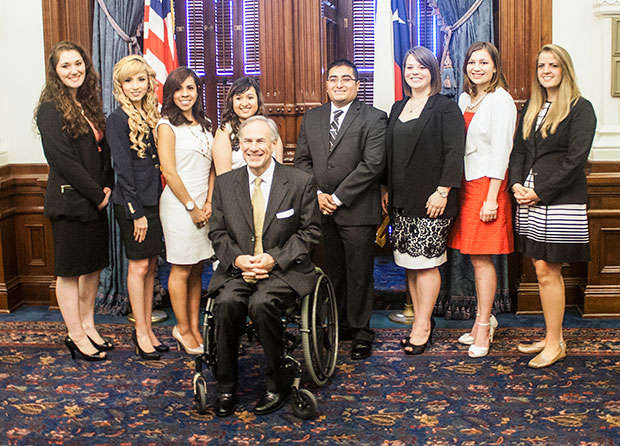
548 181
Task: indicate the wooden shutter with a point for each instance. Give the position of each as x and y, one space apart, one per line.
363 15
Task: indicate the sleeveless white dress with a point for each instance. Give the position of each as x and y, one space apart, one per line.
236 155
185 243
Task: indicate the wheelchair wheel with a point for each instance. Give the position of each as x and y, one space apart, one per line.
304 405
319 334
200 395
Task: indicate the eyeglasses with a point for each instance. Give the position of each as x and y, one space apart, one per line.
343 79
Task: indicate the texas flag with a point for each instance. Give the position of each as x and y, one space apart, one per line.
391 44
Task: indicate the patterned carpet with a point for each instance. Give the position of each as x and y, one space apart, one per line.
439 398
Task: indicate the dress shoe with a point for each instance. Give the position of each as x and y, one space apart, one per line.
180 342
162 348
148 356
468 339
530 349
413 349
271 401
538 362
105 347
361 350
476 351
224 404
76 353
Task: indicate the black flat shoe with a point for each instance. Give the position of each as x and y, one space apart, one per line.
105 347
76 353
271 401
149 356
361 350
162 348
224 404
413 349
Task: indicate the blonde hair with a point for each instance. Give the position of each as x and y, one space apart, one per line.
138 128
568 94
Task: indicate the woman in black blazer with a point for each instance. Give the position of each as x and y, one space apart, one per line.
547 178
137 190
71 122
425 145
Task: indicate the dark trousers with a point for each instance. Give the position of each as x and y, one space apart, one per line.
348 253
265 303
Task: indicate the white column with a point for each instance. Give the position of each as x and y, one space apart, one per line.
606 145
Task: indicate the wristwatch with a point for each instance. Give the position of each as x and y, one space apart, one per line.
443 193
189 206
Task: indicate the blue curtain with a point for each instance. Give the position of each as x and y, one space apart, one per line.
457 298
108 48
479 27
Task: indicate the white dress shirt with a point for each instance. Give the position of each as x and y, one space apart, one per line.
267 178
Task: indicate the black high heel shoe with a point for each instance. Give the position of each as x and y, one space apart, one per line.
76 353
161 348
105 347
149 356
419 349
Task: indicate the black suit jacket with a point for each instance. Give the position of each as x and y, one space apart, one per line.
435 154
291 227
78 169
353 168
557 161
138 180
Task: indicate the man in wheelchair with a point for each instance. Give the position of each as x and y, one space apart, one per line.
265 220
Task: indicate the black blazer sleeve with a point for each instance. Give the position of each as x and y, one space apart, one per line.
518 154
60 154
303 157
453 136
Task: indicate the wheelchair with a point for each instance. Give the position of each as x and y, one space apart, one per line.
314 325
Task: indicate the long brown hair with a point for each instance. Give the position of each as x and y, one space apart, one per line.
497 80
138 128
240 86
170 110
568 94
88 94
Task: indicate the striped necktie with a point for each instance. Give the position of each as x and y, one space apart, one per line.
333 128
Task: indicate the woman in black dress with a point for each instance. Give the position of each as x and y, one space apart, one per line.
71 122
425 142
548 180
137 189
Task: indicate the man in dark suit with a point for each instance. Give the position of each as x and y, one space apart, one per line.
342 143
261 272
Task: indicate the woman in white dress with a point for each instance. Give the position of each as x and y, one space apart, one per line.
243 101
184 143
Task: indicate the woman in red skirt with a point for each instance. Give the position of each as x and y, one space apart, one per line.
484 227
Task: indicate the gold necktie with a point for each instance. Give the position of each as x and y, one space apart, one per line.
258 210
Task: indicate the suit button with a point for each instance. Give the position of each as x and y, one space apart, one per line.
156 166
329 166
298 260
253 238
153 156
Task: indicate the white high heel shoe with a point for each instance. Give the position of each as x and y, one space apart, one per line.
468 339
180 342
478 352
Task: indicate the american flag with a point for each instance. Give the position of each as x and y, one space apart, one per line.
159 48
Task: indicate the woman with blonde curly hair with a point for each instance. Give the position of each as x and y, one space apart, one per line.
137 190
71 123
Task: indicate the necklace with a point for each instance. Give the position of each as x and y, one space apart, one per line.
471 106
414 105
201 137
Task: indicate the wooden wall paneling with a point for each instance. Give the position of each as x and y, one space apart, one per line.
602 294
26 253
517 47
68 20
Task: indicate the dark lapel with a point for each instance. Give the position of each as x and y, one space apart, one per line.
242 186
276 195
354 110
422 121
